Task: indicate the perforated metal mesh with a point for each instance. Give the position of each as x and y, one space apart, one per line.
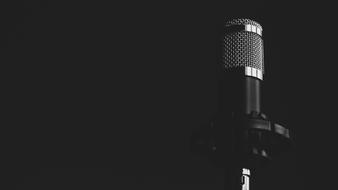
243 49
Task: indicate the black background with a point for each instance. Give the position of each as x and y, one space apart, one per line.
105 95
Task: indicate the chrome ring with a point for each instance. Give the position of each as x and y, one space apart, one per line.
246 27
252 72
254 29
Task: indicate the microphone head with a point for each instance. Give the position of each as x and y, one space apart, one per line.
243 47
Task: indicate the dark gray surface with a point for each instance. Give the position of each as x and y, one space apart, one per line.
117 89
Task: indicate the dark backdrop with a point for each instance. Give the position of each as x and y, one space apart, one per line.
105 95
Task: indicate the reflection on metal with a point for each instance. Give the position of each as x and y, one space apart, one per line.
250 71
245 179
254 29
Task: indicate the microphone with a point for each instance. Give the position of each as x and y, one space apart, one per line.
242 66
240 137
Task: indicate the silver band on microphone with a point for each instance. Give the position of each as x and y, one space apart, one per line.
240 25
252 72
245 28
254 29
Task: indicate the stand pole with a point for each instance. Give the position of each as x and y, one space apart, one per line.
245 179
237 179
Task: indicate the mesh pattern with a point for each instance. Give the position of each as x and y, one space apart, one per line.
242 22
243 49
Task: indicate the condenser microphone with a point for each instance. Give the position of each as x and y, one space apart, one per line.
239 137
243 67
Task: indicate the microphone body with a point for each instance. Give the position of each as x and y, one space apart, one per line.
240 134
242 66
239 137
239 94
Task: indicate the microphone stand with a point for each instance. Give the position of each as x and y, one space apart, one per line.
238 178
240 143
240 138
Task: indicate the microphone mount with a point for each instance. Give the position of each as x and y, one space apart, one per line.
240 143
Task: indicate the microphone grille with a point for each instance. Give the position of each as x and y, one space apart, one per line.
243 45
